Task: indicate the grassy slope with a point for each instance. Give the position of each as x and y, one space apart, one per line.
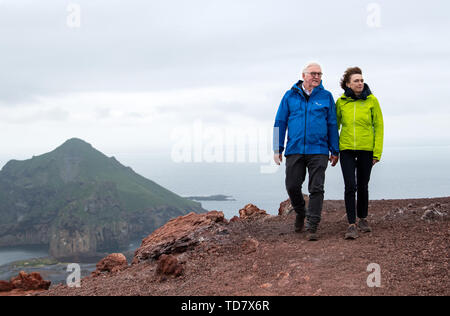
65 178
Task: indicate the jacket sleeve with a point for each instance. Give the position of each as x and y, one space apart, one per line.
378 128
280 126
333 134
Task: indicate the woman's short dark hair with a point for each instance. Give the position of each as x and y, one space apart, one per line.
348 74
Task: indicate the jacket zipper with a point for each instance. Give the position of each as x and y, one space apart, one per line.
354 126
306 114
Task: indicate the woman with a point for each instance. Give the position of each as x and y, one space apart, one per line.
360 143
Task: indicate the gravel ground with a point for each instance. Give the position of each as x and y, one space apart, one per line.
266 257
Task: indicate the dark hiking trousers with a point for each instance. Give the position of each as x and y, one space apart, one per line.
296 167
356 167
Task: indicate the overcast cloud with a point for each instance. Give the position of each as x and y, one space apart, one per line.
135 70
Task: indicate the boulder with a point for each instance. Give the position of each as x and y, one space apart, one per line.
286 207
113 263
169 265
29 282
179 235
251 211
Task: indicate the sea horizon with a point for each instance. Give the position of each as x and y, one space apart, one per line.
403 173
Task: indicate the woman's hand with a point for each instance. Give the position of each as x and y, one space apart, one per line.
374 161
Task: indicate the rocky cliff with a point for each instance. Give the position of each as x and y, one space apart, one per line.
261 255
79 202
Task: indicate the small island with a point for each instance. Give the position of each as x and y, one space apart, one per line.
217 197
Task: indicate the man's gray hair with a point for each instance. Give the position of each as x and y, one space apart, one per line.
310 64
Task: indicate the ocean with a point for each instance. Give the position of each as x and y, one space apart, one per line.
403 172
54 272
12 254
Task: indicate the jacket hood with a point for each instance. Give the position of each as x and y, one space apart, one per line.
363 96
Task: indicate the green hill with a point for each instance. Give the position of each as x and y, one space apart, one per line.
79 202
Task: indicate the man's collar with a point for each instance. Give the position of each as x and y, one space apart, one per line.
306 91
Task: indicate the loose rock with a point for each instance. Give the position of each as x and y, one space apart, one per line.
251 211
179 235
29 282
169 265
113 263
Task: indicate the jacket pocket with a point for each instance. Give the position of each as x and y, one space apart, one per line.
295 125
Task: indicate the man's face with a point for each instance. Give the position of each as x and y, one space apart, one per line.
312 77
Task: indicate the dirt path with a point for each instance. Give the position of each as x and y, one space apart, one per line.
267 258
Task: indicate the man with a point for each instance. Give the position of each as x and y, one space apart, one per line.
308 113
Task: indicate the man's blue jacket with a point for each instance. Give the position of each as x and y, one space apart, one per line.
311 125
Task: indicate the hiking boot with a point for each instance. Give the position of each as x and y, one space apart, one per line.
299 223
312 235
363 225
352 232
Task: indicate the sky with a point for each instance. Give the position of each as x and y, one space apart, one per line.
142 77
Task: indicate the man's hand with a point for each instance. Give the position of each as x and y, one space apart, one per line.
334 160
278 158
374 161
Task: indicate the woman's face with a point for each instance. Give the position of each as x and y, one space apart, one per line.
356 83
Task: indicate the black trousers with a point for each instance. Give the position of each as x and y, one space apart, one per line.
356 167
296 167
